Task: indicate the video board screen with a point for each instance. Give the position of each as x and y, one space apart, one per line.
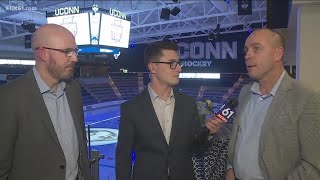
95 29
77 24
114 31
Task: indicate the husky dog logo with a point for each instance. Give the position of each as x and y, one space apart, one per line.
95 8
102 136
244 4
95 20
94 40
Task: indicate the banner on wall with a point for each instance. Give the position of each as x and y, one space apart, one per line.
244 7
222 55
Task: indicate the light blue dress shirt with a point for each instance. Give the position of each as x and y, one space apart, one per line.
246 161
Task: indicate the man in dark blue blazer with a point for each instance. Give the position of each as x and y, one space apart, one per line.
159 124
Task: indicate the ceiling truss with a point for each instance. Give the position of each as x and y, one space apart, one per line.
197 18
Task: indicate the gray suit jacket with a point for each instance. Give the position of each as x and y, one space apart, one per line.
290 135
140 131
29 146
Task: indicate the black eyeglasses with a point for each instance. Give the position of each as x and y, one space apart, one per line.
68 51
173 64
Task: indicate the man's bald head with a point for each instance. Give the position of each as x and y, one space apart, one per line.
276 39
51 45
50 35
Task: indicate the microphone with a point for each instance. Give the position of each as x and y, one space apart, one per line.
225 113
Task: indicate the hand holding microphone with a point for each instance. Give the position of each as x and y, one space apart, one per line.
224 114
213 124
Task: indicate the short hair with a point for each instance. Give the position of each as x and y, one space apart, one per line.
154 51
279 36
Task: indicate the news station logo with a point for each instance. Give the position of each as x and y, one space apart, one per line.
20 8
225 113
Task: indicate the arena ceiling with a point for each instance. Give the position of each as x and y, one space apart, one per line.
196 18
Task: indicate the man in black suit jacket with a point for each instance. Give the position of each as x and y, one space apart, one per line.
42 135
159 124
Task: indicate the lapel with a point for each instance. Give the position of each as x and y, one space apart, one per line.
41 110
150 115
276 106
178 111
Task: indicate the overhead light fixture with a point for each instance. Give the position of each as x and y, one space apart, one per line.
211 36
215 35
30 27
175 11
165 13
166 38
27 41
217 30
132 45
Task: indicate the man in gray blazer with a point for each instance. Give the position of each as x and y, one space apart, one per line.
159 123
42 135
277 130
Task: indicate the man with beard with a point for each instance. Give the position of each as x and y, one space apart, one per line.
42 134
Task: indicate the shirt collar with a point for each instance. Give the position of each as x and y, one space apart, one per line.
43 86
154 95
255 88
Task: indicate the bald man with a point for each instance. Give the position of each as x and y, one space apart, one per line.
42 134
277 129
